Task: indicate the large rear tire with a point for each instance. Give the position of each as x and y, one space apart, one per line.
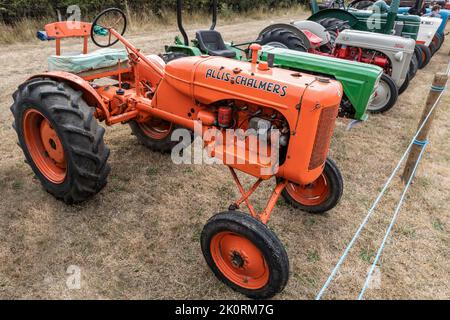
426 54
334 24
441 38
282 38
155 134
61 139
245 255
386 95
320 196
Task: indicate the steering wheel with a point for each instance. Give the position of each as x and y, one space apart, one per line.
108 19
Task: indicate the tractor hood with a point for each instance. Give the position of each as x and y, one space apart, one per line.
376 41
211 79
359 80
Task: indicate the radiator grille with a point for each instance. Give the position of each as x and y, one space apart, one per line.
323 137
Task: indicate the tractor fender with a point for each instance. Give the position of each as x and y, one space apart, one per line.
335 13
91 96
289 27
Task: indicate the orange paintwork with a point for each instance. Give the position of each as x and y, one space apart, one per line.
69 29
191 89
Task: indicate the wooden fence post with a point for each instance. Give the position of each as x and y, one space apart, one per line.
439 82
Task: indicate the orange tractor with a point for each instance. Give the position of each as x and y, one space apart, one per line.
57 117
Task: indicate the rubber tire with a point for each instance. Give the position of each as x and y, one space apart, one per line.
164 145
330 22
436 42
336 182
285 37
413 67
261 236
159 145
426 54
80 134
433 48
170 56
394 95
441 40
405 84
418 54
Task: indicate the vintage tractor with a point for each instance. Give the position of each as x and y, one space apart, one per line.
292 114
429 23
386 19
393 54
431 31
360 81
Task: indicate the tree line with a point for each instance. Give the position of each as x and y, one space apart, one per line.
13 10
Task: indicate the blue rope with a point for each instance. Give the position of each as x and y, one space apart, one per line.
378 199
394 218
421 143
437 88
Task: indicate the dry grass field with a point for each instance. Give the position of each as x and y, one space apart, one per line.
139 238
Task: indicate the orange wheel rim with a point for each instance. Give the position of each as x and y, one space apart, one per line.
239 260
44 146
156 128
312 194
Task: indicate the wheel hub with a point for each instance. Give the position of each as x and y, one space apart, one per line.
44 146
382 95
237 259
52 143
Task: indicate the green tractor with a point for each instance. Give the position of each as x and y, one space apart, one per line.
389 22
360 81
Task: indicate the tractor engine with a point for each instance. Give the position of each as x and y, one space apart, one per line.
363 55
392 53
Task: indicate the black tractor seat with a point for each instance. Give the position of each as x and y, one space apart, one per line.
211 42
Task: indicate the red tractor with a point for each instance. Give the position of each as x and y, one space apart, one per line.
57 117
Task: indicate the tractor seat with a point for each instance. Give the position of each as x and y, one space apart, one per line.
78 63
211 42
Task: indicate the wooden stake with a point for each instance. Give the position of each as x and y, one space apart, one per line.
440 81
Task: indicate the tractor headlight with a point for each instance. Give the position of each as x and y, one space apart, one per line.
398 56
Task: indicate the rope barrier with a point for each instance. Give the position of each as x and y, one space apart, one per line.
414 141
391 225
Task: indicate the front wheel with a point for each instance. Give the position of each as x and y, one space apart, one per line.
320 196
385 96
245 254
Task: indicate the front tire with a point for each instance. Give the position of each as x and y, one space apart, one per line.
61 139
405 84
413 67
245 255
320 196
386 95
